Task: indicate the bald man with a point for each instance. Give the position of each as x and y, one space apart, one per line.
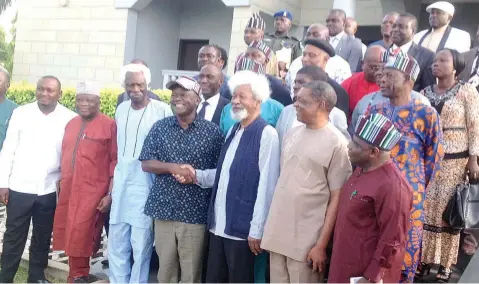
337 68
351 28
386 30
363 83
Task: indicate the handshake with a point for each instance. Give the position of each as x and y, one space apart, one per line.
184 174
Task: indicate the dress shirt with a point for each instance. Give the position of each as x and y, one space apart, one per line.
334 40
210 108
30 158
337 69
404 48
269 154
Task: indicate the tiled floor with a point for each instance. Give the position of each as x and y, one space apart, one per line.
102 272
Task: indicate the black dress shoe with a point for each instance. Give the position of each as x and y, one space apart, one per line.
105 262
38 281
82 279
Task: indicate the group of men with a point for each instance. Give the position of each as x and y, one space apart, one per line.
229 179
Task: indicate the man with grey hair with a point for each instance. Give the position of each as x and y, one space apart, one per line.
6 105
124 96
89 157
130 229
309 186
243 184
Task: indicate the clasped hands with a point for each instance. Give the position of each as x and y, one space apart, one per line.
184 174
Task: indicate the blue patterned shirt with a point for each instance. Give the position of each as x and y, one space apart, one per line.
199 146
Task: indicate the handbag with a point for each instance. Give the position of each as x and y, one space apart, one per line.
462 210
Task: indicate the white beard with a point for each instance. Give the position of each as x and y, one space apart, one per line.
239 115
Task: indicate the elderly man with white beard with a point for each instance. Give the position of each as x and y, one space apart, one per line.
243 184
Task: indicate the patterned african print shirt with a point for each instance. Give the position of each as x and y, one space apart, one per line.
418 156
199 146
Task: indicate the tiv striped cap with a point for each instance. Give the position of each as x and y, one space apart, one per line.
256 22
402 62
261 45
378 131
250 64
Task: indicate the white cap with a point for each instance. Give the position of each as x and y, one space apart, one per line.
88 88
443 6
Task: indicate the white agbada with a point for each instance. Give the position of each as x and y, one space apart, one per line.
131 186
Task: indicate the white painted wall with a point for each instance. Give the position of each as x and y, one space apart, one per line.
162 24
206 19
157 37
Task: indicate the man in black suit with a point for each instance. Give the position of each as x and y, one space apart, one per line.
471 72
212 103
402 36
346 46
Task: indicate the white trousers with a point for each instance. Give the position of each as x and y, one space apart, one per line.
122 239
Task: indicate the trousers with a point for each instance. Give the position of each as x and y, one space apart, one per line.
180 249
21 209
122 241
79 267
229 261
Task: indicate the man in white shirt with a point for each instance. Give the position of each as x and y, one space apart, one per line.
337 68
29 175
344 45
243 184
288 118
441 35
212 103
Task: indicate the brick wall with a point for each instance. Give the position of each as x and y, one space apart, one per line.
84 40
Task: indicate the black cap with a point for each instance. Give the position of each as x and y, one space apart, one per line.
323 45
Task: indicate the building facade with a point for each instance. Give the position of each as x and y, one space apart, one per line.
92 39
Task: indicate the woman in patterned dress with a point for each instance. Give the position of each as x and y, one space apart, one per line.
457 103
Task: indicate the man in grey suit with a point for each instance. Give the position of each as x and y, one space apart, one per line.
345 45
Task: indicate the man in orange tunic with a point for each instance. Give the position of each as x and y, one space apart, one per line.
89 156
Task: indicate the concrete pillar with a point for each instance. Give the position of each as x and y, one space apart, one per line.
349 6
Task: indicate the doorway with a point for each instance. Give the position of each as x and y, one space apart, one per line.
188 53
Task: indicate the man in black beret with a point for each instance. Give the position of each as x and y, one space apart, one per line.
317 53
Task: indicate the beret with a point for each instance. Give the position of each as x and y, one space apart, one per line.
321 44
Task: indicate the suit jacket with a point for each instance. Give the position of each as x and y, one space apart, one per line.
424 58
219 108
351 50
469 57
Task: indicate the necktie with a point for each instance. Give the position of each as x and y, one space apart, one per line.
203 110
476 66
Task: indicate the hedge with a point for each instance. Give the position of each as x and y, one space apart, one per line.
22 93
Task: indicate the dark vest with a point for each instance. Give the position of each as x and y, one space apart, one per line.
443 41
243 182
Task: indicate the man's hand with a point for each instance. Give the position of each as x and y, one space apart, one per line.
317 258
254 245
4 193
184 174
105 204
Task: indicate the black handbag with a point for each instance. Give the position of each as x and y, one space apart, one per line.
462 210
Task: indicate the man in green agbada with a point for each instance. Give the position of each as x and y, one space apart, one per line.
6 105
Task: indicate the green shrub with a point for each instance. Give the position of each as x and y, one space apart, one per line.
21 94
